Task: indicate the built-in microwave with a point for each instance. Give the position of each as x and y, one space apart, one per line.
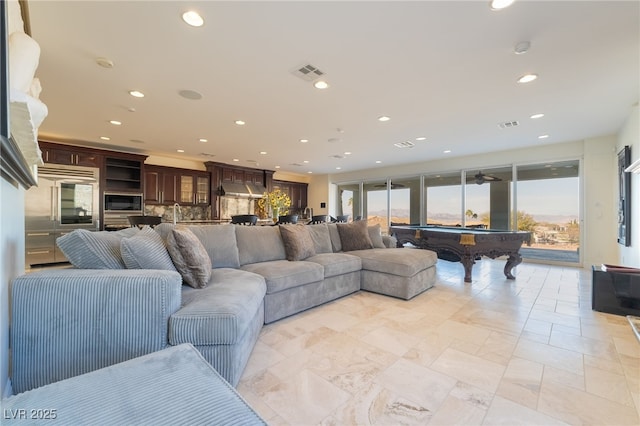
117 202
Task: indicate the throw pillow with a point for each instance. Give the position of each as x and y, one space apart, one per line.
146 250
94 250
354 235
321 238
375 233
297 242
189 257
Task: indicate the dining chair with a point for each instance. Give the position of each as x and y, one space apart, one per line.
141 221
289 218
244 219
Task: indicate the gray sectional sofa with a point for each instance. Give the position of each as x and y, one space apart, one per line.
68 322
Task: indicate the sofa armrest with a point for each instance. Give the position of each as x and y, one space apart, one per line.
68 322
389 241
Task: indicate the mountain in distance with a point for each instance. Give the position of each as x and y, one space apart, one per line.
451 217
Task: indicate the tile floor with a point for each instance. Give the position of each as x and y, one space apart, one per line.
529 351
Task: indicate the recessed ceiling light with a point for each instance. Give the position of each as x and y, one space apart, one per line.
203 140
277 167
193 18
539 115
115 122
522 48
304 140
383 118
543 136
378 161
446 151
320 84
190 94
500 4
347 153
105 138
263 152
421 138
309 172
180 150
306 161
236 160
527 78
338 168
240 122
104 62
136 93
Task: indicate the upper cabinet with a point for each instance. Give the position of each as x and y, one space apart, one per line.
168 185
160 185
70 155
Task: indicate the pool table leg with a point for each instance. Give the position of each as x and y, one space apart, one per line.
467 262
513 261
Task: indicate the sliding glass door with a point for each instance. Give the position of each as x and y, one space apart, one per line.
548 204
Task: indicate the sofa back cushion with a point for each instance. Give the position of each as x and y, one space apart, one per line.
321 238
94 250
259 244
218 240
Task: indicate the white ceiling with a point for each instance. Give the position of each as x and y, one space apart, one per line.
442 70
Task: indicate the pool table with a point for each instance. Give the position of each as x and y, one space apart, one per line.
465 245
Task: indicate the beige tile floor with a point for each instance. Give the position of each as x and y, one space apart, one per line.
529 351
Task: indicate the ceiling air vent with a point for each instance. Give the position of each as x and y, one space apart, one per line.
307 72
338 156
405 144
206 154
508 124
296 164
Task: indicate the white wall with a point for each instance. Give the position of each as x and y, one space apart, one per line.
630 135
599 237
11 265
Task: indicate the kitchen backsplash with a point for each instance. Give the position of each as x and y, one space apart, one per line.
185 212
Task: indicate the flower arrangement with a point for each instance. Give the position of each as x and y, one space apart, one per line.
276 201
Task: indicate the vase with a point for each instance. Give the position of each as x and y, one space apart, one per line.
276 214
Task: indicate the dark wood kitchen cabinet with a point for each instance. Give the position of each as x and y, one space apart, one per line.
123 172
70 155
161 185
169 185
297 191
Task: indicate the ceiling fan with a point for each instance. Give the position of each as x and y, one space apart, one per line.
482 178
393 185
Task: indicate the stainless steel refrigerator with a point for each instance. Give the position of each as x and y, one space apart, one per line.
65 199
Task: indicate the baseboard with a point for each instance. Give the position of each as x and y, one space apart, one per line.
8 390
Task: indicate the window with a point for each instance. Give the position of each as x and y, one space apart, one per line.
443 199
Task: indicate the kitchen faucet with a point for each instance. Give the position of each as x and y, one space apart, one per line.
176 206
308 212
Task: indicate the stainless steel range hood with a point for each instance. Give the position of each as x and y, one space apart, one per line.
235 189
257 190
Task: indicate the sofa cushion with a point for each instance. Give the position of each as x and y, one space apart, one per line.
221 312
321 238
404 262
375 234
354 235
94 250
334 236
297 242
146 250
282 274
218 240
337 263
259 244
189 257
